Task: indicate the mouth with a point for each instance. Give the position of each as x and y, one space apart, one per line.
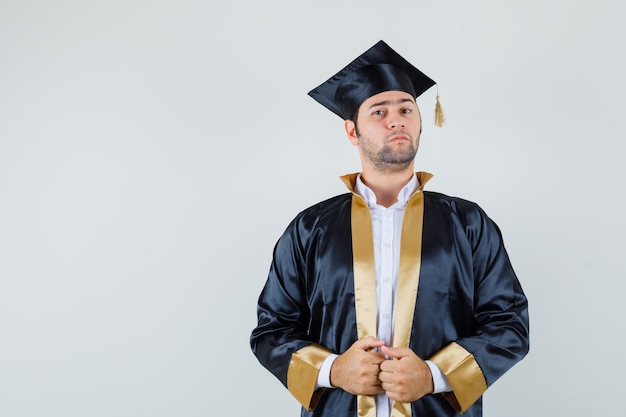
398 138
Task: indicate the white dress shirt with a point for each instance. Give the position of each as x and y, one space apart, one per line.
386 228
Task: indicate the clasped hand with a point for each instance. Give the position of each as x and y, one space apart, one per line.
361 370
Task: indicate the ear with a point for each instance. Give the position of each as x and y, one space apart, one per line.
351 132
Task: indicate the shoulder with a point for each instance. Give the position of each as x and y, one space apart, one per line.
463 216
325 210
456 204
331 214
330 210
458 210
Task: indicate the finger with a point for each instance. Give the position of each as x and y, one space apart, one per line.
369 343
396 353
388 387
392 352
376 358
385 377
373 390
387 366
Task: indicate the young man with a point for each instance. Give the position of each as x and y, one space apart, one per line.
389 300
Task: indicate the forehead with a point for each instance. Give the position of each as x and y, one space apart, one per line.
388 98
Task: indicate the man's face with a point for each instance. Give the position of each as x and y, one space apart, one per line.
387 131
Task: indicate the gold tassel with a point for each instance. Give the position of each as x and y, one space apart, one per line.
440 118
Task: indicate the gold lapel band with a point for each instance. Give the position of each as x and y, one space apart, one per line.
364 285
408 280
409 271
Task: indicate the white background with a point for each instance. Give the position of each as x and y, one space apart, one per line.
151 153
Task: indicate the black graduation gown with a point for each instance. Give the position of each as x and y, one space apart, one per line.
470 315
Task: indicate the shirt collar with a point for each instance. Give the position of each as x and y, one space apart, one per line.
403 196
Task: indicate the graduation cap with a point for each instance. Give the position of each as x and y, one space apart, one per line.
378 69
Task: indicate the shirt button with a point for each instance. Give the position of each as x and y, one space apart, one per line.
386 245
386 279
386 316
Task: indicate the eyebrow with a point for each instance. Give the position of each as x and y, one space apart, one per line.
388 102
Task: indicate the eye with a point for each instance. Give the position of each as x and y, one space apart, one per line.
407 111
378 112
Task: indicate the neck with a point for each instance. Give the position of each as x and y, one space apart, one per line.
386 186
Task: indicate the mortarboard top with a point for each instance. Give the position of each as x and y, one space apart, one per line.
378 69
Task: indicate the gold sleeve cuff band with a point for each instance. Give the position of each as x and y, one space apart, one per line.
464 375
302 375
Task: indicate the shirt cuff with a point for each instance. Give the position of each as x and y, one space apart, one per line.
323 377
440 382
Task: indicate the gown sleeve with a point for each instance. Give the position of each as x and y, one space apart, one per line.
280 340
501 332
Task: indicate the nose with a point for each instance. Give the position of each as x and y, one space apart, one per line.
395 122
